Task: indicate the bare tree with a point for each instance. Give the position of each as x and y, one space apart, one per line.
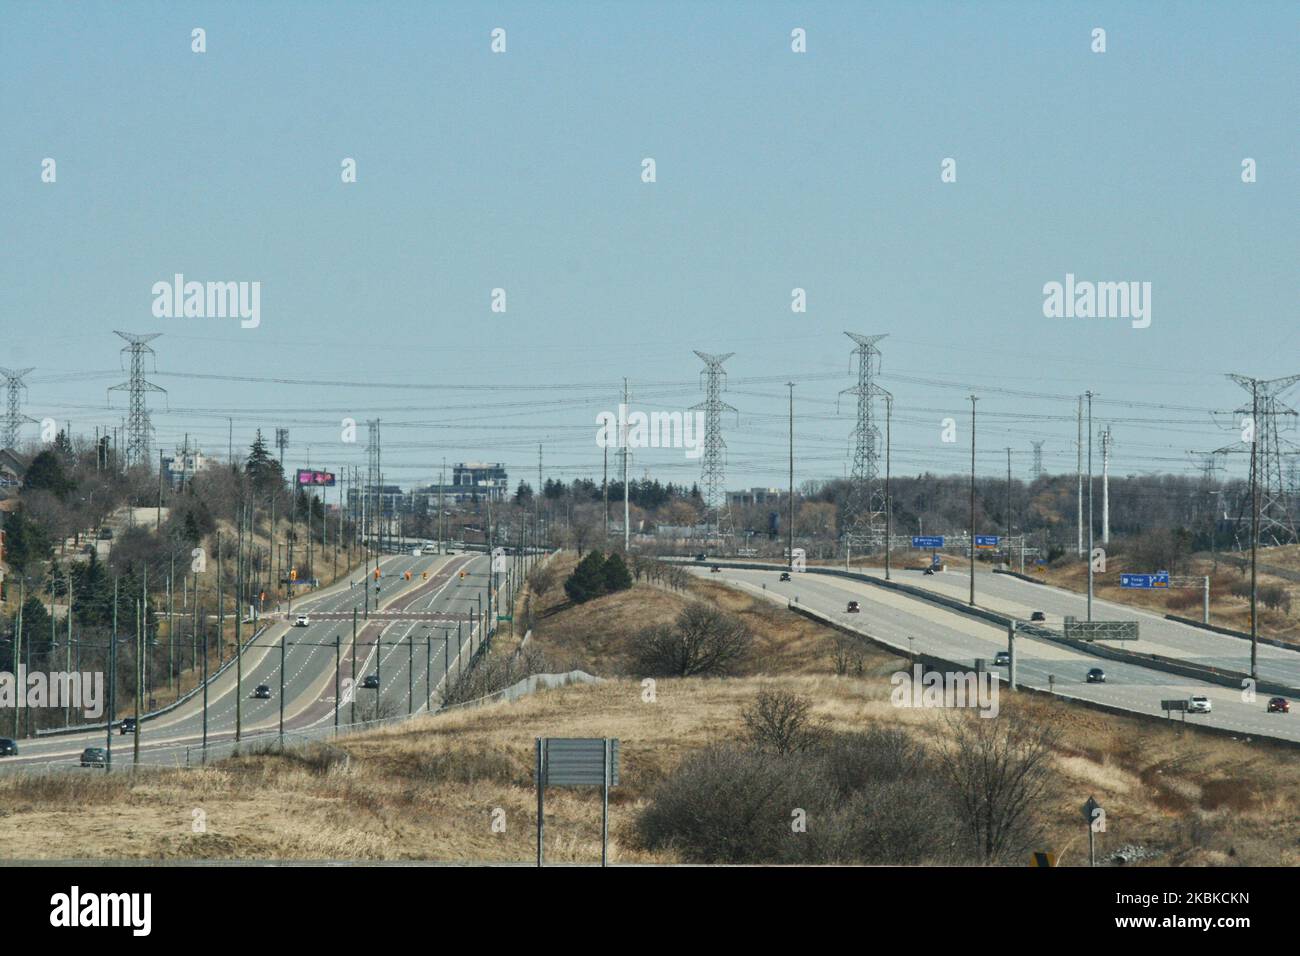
997 770
703 640
781 722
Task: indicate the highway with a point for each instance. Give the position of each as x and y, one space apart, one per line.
1015 597
912 623
389 647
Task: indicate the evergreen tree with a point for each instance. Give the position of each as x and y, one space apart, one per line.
587 580
263 470
46 473
615 574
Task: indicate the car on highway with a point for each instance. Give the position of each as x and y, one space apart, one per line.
1199 705
94 757
8 747
370 682
785 575
1279 705
1038 616
430 549
262 692
1095 675
715 570
701 556
1002 659
929 571
127 726
302 620
852 608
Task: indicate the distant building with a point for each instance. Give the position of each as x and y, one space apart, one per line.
470 481
756 496
183 466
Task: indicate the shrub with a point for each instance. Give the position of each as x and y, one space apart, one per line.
702 641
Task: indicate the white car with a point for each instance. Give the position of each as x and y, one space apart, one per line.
430 549
302 620
1200 705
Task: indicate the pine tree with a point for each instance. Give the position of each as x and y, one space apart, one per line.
615 573
587 580
263 470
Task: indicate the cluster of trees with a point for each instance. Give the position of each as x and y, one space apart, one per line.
790 791
597 574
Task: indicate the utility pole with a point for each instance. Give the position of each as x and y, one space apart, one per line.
1008 505
1078 447
1089 557
789 531
604 484
973 400
1105 486
889 498
627 495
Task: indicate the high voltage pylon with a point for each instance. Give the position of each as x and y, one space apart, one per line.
866 499
1037 471
713 468
138 426
1268 448
14 417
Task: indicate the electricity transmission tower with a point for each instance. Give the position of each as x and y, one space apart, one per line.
713 469
1037 471
14 417
1261 438
138 426
866 499
281 442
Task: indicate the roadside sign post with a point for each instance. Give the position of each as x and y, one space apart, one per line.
1090 811
576 762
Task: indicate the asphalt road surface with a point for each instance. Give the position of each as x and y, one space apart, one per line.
913 624
406 653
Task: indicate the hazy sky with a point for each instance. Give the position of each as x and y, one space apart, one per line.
775 170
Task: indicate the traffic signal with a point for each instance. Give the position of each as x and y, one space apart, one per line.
462 574
293 574
376 574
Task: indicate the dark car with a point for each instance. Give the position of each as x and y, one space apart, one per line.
370 682
715 570
94 757
1038 616
8 747
700 557
785 575
929 570
852 608
1276 705
105 534
127 726
262 692
1002 659
1096 675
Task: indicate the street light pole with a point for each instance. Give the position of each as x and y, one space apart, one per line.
1089 555
973 400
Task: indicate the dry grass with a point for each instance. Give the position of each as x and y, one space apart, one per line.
432 788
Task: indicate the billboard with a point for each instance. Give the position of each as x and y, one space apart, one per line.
306 476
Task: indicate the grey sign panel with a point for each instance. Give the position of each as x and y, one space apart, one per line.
1173 705
1101 630
578 761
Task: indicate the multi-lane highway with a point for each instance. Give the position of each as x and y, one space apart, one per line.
416 642
910 623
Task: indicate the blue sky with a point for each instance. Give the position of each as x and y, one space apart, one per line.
775 170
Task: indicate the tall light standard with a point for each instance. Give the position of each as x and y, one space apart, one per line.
973 400
1089 397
